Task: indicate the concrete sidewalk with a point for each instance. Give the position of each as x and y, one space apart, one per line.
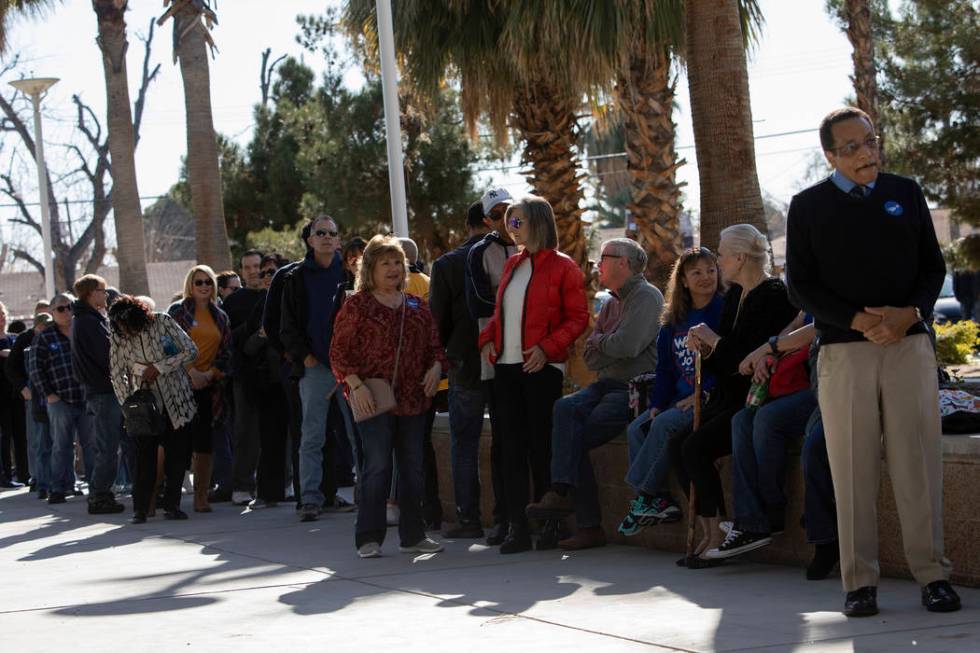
242 581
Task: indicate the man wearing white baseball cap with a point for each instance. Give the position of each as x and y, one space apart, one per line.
484 266
494 198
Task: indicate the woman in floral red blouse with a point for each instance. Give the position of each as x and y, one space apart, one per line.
364 346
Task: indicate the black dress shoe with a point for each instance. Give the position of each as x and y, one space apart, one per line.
825 556
497 535
105 506
56 497
939 596
138 518
517 541
176 513
42 494
862 602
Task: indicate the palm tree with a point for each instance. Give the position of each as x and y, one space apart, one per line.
855 17
192 19
722 115
127 213
645 98
11 8
486 45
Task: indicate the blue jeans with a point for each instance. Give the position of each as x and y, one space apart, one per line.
466 410
583 421
39 444
759 439
31 440
649 456
381 437
68 422
107 419
819 506
315 386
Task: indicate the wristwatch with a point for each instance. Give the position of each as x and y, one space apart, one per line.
774 345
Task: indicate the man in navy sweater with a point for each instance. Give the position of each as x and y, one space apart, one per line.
862 258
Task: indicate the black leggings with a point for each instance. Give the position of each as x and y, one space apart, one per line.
176 448
524 408
694 454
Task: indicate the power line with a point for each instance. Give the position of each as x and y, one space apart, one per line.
616 155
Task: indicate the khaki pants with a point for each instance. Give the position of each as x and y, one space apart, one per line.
867 391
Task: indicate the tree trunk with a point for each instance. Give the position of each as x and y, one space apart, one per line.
722 116
857 17
203 171
127 213
645 98
546 121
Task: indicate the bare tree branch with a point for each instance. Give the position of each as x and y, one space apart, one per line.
10 190
265 74
148 77
24 256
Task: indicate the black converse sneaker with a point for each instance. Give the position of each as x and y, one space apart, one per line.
738 542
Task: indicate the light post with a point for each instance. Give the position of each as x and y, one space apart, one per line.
389 88
34 88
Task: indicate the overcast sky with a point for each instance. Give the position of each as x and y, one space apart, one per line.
797 74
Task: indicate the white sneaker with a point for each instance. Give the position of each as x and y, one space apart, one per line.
425 545
241 498
369 550
392 513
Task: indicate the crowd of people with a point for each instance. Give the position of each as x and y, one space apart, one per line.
290 379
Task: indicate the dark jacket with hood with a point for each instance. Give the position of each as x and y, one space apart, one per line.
90 349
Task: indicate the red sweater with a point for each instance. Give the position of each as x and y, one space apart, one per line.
365 338
555 308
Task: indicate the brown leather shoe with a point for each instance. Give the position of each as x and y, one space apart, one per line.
585 538
551 506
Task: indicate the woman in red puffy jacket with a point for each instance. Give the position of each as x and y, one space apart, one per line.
541 310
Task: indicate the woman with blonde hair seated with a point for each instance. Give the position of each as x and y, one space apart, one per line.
756 307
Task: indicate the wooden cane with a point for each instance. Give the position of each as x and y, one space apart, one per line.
692 494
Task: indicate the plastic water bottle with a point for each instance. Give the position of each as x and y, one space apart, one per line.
758 392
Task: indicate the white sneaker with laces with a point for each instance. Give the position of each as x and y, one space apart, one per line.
369 550
425 545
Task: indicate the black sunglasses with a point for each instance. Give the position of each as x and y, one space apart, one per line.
203 282
322 232
63 308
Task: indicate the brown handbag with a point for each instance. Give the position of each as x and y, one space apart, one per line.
382 392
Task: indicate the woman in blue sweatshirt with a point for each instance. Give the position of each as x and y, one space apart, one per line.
692 298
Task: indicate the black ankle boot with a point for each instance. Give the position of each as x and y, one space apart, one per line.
518 540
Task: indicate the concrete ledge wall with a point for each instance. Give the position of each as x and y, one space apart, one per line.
961 469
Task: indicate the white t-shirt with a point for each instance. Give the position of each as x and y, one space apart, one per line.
512 313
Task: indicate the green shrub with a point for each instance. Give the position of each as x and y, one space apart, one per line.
955 343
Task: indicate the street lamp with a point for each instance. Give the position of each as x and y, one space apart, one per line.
34 88
389 92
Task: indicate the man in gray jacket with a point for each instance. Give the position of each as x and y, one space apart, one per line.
622 346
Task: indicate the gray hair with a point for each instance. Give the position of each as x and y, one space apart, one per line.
630 250
410 248
749 241
63 296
